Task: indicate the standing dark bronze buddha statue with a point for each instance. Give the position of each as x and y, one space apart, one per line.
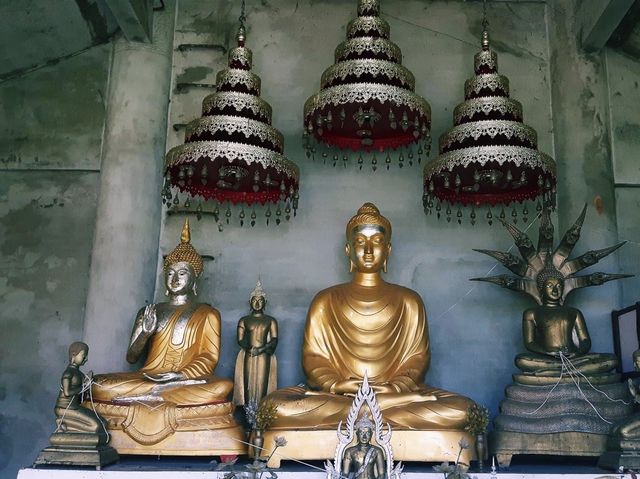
256 368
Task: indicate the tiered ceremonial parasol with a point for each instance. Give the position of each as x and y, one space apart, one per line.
232 155
367 102
490 157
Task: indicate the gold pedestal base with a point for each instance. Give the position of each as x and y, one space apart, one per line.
166 429
506 444
77 456
423 446
216 442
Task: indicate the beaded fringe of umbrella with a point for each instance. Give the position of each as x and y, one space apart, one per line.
366 105
489 159
232 156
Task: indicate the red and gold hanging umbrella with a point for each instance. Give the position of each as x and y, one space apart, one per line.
489 158
366 101
232 155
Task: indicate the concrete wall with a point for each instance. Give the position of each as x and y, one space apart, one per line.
582 141
624 93
50 139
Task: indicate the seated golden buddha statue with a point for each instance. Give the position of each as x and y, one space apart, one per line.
175 389
367 325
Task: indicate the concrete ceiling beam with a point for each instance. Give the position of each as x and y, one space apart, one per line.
598 20
134 18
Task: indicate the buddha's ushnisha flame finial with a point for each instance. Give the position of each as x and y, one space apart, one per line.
258 292
185 252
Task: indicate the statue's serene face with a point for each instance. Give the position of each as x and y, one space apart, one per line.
257 303
553 289
180 278
364 435
368 248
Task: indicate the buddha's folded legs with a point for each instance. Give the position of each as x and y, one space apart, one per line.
214 389
426 409
447 411
588 364
120 386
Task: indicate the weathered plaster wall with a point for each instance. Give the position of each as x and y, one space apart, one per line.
624 94
475 328
583 155
40 32
51 127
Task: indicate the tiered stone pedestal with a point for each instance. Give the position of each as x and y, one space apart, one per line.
423 446
555 419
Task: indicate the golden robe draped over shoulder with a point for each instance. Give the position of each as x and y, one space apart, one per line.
195 356
382 331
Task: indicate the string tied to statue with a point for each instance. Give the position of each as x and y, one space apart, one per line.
570 370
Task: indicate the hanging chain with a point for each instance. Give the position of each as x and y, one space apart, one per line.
485 22
243 17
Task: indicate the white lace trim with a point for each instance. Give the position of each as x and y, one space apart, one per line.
235 124
487 105
365 92
371 67
232 151
234 76
369 6
242 55
491 128
369 44
239 101
481 155
492 81
485 58
367 25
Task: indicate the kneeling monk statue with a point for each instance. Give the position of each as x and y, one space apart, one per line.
368 325
175 389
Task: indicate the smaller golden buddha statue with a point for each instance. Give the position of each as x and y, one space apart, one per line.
256 368
175 390
364 460
80 437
